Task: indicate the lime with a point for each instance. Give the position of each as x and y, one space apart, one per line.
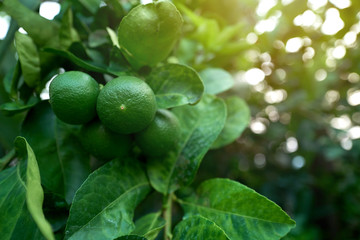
148 33
102 142
126 105
73 97
161 136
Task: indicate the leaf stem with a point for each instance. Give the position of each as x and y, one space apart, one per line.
7 158
167 214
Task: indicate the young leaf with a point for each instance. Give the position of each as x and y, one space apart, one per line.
198 227
104 205
149 226
113 37
175 85
216 80
201 124
63 163
237 120
21 198
29 59
238 210
34 191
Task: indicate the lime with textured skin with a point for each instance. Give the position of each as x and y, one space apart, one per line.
161 136
73 97
104 143
148 33
126 105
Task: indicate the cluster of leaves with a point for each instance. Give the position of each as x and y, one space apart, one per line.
54 189
321 195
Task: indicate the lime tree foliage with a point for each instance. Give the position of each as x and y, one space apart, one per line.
297 67
132 112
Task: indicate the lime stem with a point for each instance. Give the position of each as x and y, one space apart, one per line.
167 214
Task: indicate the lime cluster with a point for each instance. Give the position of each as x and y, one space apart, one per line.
124 109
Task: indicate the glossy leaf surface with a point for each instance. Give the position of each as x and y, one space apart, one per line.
34 191
238 210
104 205
29 59
216 80
175 85
149 225
238 118
201 124
62 162
21 198
198 227
41 30
12 108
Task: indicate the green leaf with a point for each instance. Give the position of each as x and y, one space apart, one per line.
41 30
34 191
21 198
98 38
216 80
198 227
117 7
175 85
15 219
15 82
74 161
227 34
81 63
103 207
149 225
131 237
67 34
238 210
7 158
113 37
29 59
12 108
201 124
207 30
63 163
91 5
238 118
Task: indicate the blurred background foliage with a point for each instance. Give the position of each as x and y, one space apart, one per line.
296 64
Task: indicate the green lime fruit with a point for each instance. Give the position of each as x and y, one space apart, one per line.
148 33
102 142
126 105
73 97
161 136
